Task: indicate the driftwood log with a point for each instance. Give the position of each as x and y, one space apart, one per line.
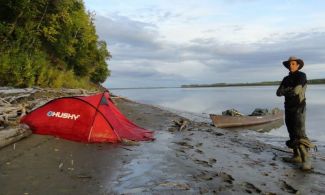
13 135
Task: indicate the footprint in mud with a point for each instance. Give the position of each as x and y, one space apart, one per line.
265 174
206 176
181 150
218 134
199 151
185 144
187 139
172 129
251 188
202 162
226 177
273 164
175 186
288 188
212 161
208 130
199 144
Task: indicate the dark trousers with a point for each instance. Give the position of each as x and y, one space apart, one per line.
295 121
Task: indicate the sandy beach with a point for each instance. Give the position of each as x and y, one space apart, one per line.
201 159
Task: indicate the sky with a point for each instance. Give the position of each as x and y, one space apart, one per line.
163 43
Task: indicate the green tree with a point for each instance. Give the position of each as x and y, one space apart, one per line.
50 43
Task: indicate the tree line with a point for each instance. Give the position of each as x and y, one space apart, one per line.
264 83
50 43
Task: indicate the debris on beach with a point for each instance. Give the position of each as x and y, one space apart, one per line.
181 124
175 185
11 135
288 188
128 142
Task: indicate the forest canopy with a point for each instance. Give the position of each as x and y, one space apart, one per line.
50 43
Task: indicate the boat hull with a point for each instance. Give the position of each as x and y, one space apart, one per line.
239 121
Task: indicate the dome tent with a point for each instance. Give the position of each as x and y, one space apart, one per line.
92 118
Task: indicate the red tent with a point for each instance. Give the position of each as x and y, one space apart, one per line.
85 118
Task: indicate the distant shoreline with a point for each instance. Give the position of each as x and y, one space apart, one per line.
227 85
271 83
266 83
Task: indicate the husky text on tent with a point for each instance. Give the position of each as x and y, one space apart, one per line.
63 115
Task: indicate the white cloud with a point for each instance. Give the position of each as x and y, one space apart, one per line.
187 42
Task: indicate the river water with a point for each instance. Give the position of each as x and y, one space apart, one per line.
203 101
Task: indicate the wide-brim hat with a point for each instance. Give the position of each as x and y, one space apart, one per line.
293 58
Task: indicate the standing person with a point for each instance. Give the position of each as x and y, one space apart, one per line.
293 88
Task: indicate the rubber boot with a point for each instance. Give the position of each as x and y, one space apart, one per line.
305 157
296 158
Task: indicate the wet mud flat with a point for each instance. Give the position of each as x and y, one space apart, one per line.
200 159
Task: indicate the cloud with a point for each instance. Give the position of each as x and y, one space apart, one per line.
120 30
143 57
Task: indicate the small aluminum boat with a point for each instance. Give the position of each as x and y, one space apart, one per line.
224 121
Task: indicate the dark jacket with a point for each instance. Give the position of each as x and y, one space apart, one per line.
293 88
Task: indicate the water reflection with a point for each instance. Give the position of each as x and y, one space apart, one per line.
245 99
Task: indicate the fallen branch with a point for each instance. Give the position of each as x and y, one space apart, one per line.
14 98
6 109
9 115
282 150
3 102
290 151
